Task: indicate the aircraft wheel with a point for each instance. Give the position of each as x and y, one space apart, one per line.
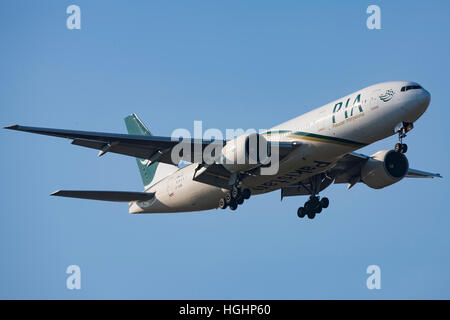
314 200
228 197
404 148
318 209
301 212
324 202
233 205
246 194
222 203
308 205
401 147
240 200
311 215
311 203
235 192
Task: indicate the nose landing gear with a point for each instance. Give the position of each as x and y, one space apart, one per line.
402 129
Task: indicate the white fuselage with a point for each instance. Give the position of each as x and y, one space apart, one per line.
325 134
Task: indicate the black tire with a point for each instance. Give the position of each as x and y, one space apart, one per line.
314 200
246 193
311 215
235 192
404 148
308 205
228 198
324 202
398 147
318 209
222 203
233 205
240 200
301 213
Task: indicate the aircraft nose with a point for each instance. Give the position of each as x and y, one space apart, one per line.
426 97
423 100
419 104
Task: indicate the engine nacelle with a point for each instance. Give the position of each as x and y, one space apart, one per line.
384 168
245 152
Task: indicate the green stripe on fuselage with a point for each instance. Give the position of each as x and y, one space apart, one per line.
316 137
277 132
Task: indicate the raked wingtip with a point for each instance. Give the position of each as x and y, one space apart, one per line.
13 127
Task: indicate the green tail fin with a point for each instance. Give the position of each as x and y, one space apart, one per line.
136 127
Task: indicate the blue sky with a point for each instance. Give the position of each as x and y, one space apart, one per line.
231 64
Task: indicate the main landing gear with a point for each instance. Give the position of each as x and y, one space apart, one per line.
234 198
313 206
402 129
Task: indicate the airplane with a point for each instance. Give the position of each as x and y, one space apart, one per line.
313 150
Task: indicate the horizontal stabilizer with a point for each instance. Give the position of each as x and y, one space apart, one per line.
117 196
413 173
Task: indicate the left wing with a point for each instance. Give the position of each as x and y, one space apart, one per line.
153 148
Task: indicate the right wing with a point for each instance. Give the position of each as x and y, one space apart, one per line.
349 167
117 196
346 170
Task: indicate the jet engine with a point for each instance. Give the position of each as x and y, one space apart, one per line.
384 168
245 152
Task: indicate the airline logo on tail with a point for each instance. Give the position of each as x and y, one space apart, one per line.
145 162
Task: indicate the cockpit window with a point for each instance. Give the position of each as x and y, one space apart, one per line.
406 88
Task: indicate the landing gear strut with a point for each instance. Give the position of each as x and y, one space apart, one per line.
402 129
315 204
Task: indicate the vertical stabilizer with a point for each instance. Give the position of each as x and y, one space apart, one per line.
156 171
